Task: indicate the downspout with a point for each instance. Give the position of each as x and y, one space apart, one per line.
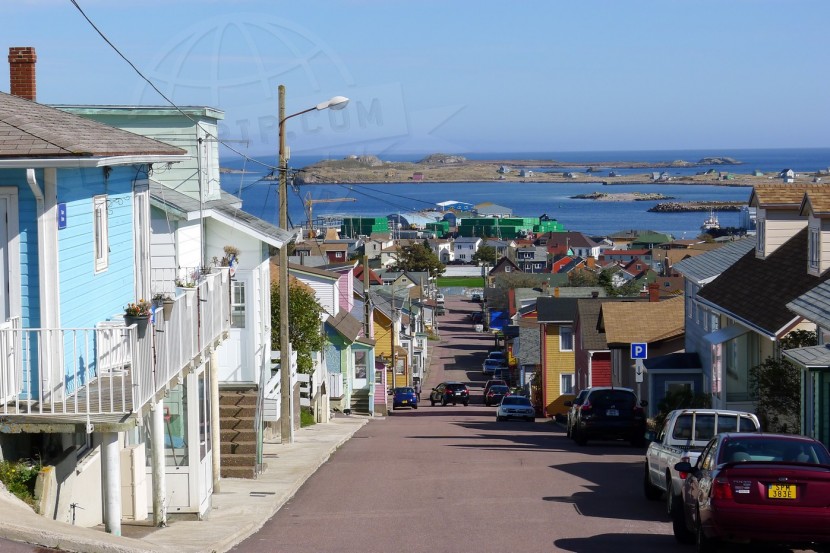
37 192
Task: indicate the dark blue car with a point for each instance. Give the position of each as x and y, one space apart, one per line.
404 396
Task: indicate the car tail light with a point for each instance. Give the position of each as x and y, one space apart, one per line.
490 394
586 406
721 489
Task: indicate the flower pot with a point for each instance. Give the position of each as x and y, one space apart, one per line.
141 323
167 309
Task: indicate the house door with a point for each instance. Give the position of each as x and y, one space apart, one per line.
236 360
9 262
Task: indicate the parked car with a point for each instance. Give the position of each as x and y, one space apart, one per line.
611 413
497 354
490 365
502 373
515 407
439 298
572 408
494 394
493 382
683 436
757 488
476 317
450 392
476 298
404 396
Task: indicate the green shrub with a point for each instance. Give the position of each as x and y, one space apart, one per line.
306 417
19 477
680 399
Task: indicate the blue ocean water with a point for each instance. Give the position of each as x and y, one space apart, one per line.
527 199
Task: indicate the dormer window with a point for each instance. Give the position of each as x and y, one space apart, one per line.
761 234
815 249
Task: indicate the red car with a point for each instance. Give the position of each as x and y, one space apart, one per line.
765 488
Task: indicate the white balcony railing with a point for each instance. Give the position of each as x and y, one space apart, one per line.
112 369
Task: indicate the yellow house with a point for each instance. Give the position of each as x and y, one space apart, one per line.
556 318
385 337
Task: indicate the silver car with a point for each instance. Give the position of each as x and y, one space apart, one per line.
515 407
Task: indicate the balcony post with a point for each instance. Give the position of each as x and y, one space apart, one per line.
159 475
111 468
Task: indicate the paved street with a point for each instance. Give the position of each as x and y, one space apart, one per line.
452 479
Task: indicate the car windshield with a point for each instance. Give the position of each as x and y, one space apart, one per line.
404 391
495 354
515 400
772 449
455 386
494 362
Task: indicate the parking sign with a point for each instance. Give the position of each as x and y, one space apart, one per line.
639 351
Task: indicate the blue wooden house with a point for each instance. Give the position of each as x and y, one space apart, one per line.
81 386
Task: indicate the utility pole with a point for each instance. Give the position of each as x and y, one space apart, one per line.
286 395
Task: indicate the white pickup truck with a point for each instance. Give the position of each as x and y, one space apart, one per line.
684 435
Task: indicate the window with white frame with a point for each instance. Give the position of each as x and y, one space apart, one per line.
238 304
100 234
677 386
566 338
566 384
815 248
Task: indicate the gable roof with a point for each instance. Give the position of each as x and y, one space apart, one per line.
706 266
346 325
756 291
779 195
643 321
499 266
814 305
591 338
32 130
818 200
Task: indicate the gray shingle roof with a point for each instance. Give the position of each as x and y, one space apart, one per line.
555 310
529 346
591 338
756 291
814 305
346 325
31 130
813 356
704 267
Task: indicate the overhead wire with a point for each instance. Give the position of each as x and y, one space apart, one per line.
160 93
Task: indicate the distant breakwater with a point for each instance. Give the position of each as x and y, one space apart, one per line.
685 207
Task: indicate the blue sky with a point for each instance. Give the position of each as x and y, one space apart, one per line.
462 76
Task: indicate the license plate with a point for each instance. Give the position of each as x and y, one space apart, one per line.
458 393
612 413
405 401
781 491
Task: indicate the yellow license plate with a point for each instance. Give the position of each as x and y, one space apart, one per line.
781 491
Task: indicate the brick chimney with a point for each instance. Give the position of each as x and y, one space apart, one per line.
653 292
22 61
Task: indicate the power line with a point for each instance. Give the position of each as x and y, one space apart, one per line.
160 93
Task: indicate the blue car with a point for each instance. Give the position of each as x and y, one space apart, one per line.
404 396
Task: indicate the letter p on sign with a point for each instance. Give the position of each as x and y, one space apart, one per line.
639 351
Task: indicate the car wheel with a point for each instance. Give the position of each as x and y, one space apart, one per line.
704 544
652 492
530 419
444 403
499 419
568 430
638 441
432 402
579 437
674 503
487 404
415 406
466 403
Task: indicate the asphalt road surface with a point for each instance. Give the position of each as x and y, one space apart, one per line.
452 479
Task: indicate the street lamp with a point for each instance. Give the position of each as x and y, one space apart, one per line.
286 393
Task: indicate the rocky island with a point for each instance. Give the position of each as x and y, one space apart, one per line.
681 207
624 197
457 168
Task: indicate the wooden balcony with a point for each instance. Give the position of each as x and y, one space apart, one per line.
108 374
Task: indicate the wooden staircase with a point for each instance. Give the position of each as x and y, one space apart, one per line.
237 414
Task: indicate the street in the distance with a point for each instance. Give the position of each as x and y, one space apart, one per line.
453 479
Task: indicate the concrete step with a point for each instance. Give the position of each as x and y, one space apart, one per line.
238 398
238 472
237 435
239 411
247 448
234 460
233 423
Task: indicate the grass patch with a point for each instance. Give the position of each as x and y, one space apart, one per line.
467 282
306 417
19 477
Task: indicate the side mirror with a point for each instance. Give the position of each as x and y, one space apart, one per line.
684 466
568 404
651 436
643 403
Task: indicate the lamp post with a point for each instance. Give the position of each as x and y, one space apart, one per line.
286 393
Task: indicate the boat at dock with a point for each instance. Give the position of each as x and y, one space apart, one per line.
711 222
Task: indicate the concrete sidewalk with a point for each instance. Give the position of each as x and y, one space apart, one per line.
239 508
